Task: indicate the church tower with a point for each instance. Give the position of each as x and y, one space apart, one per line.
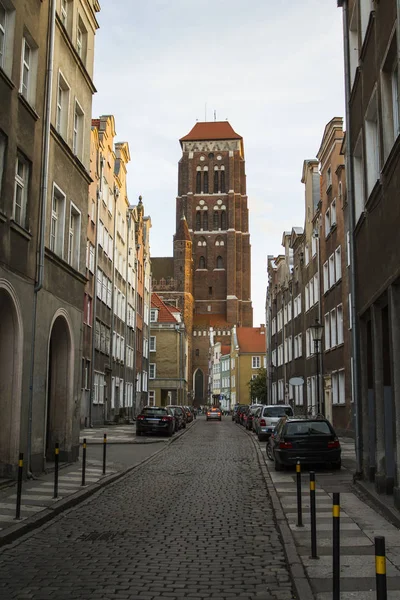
212 197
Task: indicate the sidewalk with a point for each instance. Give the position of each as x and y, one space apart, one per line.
38 504
359 524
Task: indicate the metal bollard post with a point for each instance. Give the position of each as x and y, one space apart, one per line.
313 515
336 547
56 457
19 485
380 568
104 453
299 505
84 461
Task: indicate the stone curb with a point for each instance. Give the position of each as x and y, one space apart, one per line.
297 572
16 531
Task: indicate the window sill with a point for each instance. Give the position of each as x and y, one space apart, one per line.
3 217
21 230
28 107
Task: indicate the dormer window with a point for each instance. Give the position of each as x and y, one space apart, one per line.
153 315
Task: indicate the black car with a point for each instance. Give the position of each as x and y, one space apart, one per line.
311 440
155 419
180 415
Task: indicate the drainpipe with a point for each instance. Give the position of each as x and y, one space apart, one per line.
94 306
43 201
352 222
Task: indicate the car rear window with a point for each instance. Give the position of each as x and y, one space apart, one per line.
308 428
277 411
157 412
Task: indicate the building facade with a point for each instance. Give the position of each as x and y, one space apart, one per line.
371 34
168 349
212 274
248 354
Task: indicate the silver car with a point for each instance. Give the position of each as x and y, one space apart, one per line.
267 418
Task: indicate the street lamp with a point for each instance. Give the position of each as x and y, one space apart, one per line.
316 332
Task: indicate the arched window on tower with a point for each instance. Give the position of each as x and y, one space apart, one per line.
198 220
222 182
205 182
220 262
223 220
216 182
216 220
205 220
198 182
202 262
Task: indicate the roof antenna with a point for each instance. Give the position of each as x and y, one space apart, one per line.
215 115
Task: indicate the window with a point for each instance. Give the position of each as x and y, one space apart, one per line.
327 222
333 213
307 297
57 222
338 263
300 344
216 181
216 220
255 362
64 12
77 142
152 398
326 277
273 326
314 245
74 236
327 332
358 164
350 312
152 343
220 262
99 283
3 146
91 258
311 291
21 191
152 371
328 178
153 315
81 40
198 182
205 182
372 144
338 387
348 248
307 254
198 220
62 106
202 262
331 270
333 328
339 324
205 221
390 98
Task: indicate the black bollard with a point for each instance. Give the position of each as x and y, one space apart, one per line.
104 453
313 515
84 461
336 547
56 457
19 485
299 504
380 568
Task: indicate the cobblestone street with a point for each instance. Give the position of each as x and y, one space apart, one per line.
195 522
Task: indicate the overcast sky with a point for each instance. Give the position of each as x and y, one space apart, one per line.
273 69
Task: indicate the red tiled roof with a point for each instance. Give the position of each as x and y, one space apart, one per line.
225 349
251 339
211 130
165 312
96 123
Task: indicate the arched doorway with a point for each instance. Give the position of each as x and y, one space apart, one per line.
10 378
199 386
59 388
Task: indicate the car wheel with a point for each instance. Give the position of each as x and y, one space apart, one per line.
184 426
170 433
278 466
337 465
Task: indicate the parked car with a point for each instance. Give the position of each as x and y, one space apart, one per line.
214 413
267 419
244 414
155 419
311 440
180 415
253 408
235 412
188 413
239 414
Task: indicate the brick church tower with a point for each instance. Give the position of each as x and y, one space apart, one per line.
212 198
